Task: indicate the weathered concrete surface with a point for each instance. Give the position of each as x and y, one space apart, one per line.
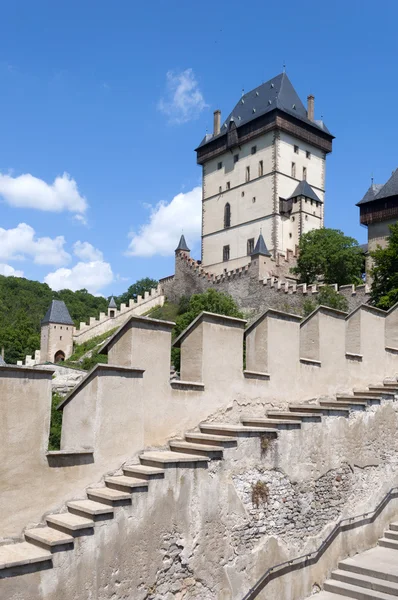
197 534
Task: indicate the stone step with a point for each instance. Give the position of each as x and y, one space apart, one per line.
90 507
125 482
192 448
339 403
167 458
47 537
143 472
69 522
387 543
343 410
391 534
377 562
374 393
23 553
265 422
230 428
325 596
371 583
275 414
355 591
108 495
394 526
358 399
209 438
385 391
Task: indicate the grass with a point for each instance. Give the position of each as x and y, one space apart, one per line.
54 441
167 312
81 349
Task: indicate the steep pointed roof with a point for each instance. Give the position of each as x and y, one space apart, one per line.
390 188
304 189
277 93
371 194
57 313
261 247
112 303
182 245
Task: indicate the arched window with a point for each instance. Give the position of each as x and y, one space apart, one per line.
227 215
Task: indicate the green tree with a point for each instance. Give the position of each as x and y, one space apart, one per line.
329 255
326 296
384 290
137 289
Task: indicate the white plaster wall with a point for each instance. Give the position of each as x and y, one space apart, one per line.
315 165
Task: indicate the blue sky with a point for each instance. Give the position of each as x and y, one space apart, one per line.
102 104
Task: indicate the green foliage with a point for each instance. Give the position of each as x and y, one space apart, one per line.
137 289
329 255
327 296
167 312
54 442
81 349
96 358
23 304
384 291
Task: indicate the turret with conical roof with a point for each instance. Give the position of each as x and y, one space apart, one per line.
112 308
57 327
182 245
260 248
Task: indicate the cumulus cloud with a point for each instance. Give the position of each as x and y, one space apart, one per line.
9 271
93 276
86 251
166 222
26 191
184 101
21 243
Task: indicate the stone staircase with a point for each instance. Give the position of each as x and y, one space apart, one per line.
59 530
371 575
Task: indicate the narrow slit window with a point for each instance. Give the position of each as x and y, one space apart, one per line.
247 174
225 253
260 168
293 169
227 215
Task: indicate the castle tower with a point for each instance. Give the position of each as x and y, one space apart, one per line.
112 308
252 165
56 333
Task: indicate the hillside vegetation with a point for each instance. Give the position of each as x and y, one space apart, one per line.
23 304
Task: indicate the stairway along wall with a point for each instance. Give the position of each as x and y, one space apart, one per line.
119 409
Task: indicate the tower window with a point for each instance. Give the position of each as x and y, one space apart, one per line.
304 173
220 189
254 149
219 166
308 154
260 168
247 174
293 169
236 158
60 337
228 185
254 199
242 194
225 253
296 149
250 246
227 215
290 235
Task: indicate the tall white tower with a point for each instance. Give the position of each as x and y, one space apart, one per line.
57 327
263 169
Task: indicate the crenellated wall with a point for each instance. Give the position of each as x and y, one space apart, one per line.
128 405
262 283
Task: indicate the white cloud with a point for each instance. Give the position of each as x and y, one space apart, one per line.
21 242
9 271
86 252
184 100
80 219
93 276
27 191
167 221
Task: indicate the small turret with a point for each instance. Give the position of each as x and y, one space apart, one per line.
260 258
260 248
56 333
112 308
182 245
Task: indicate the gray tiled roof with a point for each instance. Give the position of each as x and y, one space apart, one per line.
304 189
112 303
372 192
277 93
261 247
182 245
57 313
390 188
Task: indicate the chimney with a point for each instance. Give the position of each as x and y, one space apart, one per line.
310 107
217 122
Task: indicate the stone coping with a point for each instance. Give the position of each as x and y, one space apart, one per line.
209 317
392 350
352 356
95 372
23 369
69 452
368 308
156 323
195 386
390 310
275 314
325 310
256 375
311 361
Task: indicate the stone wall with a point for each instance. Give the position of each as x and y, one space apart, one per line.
252 293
